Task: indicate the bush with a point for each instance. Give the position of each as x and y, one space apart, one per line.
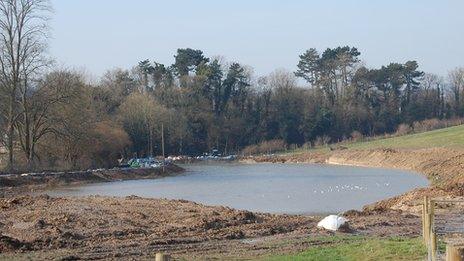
265 147
250 150
293 146
307 146
403 129
356 136
434 124
322 141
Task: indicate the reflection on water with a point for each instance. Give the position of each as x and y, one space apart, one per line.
275 188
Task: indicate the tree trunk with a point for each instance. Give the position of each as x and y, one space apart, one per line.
10 143
150 141
162 141
28 142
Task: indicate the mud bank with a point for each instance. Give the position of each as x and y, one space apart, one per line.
16 184
41 227
442 166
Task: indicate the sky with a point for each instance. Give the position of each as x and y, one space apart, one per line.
98 35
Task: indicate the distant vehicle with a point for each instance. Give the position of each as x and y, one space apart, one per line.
149 162
215 153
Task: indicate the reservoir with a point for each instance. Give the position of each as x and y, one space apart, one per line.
273 188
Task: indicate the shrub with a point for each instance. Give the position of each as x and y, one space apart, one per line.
250 150
272 146
293 146
322 140
307 146
434 124
356 136
403 129
265 147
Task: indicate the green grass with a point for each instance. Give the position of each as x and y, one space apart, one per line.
360 248
452 137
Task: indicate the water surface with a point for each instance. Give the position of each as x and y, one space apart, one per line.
275 188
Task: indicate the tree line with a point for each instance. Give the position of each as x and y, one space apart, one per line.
53 118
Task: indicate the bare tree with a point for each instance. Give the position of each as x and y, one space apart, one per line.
139 114
432 94
23 31
456 79
37 118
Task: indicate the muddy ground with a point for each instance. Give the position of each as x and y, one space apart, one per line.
12 185
41 227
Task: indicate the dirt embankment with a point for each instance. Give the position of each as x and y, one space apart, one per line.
41 227
444 168
15 184
303 157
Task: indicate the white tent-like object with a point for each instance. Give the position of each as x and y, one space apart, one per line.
332 222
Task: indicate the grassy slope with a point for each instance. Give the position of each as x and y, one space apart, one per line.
452 137
449 137
368 248
360 248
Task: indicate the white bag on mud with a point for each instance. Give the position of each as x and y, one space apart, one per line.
332 222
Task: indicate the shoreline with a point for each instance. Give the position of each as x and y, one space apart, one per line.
95 227
329 162
17 185
99 227
406 160
445 182
441 166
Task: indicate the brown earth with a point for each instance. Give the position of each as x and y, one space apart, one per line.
41 227
12 185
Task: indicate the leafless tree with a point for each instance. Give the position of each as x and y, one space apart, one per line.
456 79
23 34
139 112
37 118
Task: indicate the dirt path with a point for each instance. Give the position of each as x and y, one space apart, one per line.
132 227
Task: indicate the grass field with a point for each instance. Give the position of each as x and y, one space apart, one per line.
360 248
452 137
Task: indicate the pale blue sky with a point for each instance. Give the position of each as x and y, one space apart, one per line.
265 34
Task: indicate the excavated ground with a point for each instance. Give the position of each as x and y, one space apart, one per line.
41 227
12 185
